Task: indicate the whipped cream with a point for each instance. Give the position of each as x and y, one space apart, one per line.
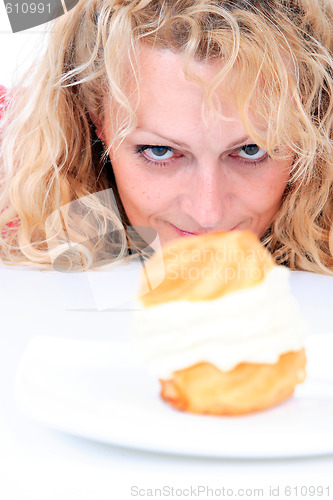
254 325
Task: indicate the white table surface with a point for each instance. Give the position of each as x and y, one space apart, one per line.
43 464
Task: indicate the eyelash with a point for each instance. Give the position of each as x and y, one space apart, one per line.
160 164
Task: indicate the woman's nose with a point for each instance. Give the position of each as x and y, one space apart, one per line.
206 196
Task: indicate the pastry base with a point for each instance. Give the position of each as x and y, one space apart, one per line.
205 389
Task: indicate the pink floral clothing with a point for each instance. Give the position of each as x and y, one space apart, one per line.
4 102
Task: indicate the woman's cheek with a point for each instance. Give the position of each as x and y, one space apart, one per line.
269 190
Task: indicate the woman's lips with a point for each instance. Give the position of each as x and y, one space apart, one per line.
182 232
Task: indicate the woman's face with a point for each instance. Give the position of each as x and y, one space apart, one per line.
181 174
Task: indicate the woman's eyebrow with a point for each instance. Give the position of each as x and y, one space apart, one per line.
231 145
161 136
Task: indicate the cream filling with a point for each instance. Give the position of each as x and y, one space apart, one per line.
254 325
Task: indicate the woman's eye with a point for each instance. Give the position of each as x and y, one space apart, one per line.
157 153
250 152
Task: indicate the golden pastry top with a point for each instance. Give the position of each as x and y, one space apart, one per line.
206 267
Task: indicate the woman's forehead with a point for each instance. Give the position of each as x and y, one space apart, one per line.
165 88
155 63
165 77
194 97
161 73
172 108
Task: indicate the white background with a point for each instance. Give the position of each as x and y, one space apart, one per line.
18 50
40 464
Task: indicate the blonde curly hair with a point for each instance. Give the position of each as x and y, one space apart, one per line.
282 51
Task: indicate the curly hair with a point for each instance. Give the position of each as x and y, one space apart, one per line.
282 52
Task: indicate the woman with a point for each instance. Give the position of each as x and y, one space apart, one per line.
196 116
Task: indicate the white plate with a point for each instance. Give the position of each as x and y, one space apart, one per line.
98 390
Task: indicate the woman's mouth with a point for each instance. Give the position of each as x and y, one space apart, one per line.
182 232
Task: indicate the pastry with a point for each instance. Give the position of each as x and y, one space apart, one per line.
222 331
